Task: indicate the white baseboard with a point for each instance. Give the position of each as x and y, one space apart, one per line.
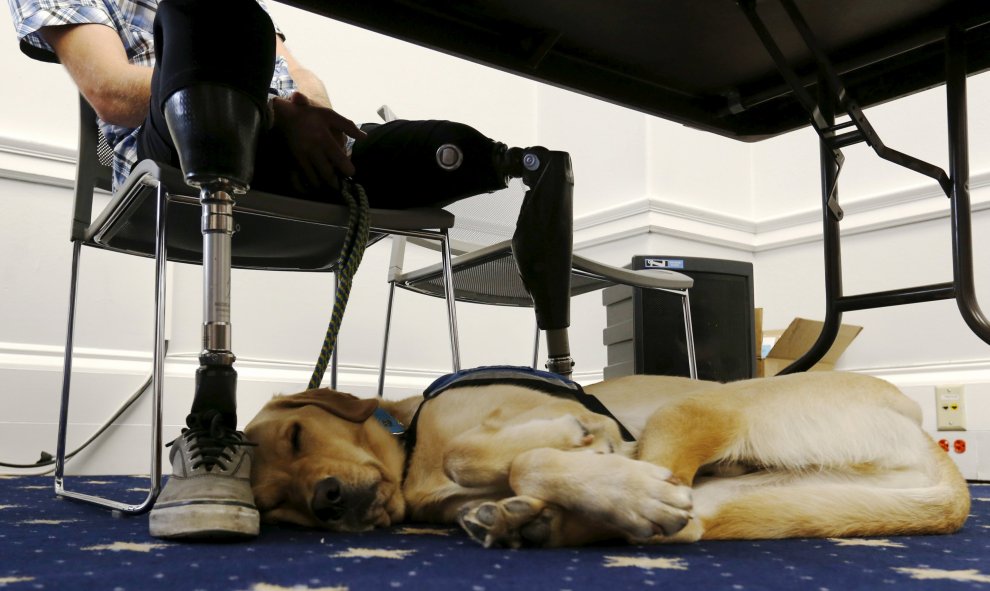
358 378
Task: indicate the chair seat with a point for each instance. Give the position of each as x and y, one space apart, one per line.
272 232
489 276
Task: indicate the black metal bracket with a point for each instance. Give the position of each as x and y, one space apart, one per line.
833 98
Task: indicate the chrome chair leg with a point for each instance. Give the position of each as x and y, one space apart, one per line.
689 336
63 414
448 282
388 326
157 374
449 297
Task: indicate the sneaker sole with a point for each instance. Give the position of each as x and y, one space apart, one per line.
204 521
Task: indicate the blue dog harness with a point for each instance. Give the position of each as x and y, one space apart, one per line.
541 381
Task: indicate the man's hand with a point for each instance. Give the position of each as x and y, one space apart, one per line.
316 139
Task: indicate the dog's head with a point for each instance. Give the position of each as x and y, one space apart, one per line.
320 462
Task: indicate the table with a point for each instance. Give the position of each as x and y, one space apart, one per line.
746 69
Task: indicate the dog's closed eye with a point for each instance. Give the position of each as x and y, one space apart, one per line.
295 437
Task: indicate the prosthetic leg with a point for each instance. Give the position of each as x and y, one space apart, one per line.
212 110
451 160
543 242
215 130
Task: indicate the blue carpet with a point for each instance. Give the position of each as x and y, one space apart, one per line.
47 543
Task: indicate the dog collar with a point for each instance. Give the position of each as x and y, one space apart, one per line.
389 422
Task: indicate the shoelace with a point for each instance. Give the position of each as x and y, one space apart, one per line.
213 444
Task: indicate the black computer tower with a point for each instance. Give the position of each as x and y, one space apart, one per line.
645 328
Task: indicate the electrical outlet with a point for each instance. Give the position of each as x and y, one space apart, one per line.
950 408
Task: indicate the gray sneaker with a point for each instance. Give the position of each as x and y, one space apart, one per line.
209 492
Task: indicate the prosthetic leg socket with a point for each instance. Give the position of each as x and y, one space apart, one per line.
215 130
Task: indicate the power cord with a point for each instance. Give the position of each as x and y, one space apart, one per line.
47 459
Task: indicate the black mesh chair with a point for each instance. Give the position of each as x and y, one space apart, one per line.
156 214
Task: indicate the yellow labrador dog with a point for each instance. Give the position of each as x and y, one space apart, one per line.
806 455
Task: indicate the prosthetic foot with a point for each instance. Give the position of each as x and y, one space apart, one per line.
215 129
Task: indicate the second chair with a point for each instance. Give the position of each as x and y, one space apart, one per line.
488 275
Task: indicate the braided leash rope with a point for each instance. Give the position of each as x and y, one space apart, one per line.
355 241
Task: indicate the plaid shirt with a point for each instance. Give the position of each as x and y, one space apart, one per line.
133 20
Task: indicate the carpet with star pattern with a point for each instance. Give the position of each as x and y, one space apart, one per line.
48 543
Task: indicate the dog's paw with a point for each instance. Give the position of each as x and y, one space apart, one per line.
637 499
510 523
644 500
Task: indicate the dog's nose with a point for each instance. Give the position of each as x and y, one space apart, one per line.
332 501
326 502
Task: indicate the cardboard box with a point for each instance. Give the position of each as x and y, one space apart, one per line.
779 348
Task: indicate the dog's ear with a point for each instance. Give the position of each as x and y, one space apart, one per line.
343 405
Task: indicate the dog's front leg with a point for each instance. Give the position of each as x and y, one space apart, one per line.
569 499
524 521
639 499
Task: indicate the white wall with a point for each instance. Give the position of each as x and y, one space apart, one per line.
643 186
